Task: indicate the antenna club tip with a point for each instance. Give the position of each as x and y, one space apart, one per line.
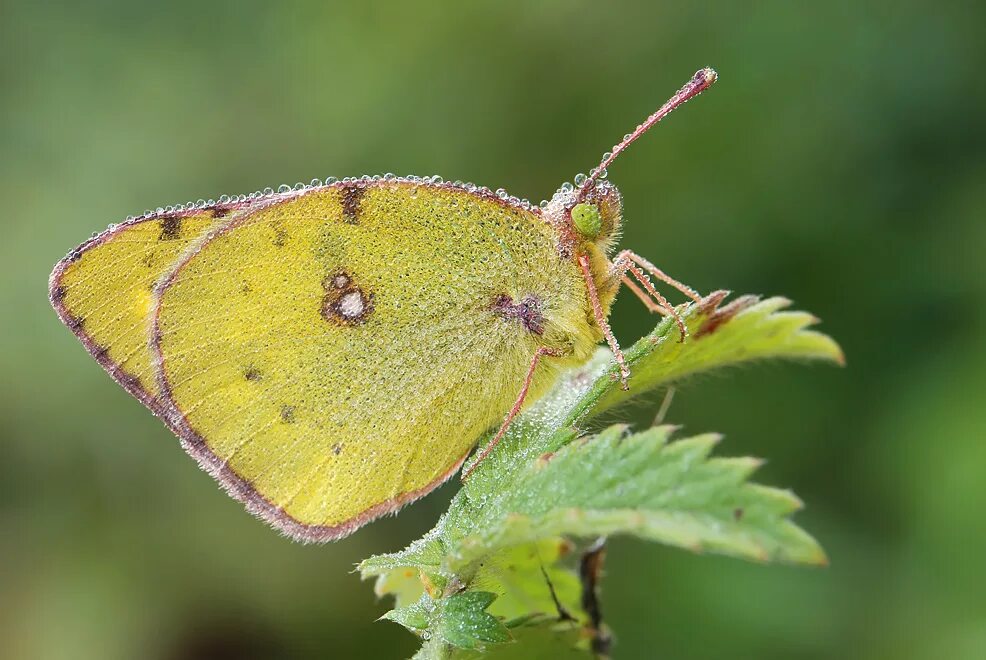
706 76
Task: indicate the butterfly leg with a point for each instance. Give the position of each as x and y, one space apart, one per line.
660 274
597 312
625 263
541 352
644 298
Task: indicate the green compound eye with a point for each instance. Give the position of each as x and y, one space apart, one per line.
587 220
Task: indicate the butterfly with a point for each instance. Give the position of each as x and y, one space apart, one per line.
332 352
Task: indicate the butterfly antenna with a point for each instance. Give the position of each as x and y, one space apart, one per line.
700 82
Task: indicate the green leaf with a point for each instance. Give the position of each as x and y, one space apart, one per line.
460 620
415 617
744 330
554 642
638 484
465 623
530 582
548 480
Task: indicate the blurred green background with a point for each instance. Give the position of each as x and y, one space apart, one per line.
839 161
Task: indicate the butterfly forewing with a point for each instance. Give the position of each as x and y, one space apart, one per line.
103 290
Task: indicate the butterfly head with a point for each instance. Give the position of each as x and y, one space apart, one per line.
592 208
596 219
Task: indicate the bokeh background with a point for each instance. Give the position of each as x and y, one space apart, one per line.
839 161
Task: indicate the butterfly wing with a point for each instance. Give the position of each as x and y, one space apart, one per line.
334 355
103 289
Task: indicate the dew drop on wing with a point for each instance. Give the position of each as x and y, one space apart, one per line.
283 188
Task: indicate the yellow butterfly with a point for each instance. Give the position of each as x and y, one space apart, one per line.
332 352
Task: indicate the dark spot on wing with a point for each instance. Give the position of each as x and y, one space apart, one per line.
337 449
58 294
352 198
100 352
251 373
280 237
527 311
220 211
287 414
170 228
74 255
76 322
129 381
344 302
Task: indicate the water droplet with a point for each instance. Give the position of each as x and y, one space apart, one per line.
316 183
543 204
580 179
329 180
268 190
437 179
299 186
283 188
389 176
224 199
567 187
